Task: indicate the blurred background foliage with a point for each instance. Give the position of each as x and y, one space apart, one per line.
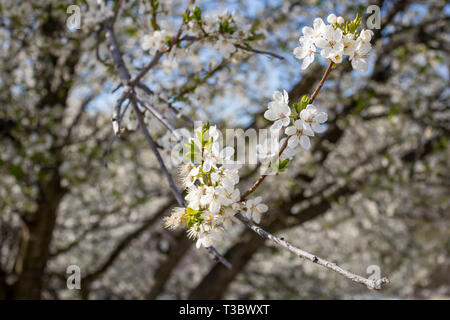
373 190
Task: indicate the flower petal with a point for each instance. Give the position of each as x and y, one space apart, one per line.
293 141
257 217
317 127
321 117
290 130
304 142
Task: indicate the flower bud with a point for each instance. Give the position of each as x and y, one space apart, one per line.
340 20
337 58
332 18
366 35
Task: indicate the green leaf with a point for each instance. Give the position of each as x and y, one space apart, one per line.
193 217
17 172
193 153
190 211
302 104
225 27
131 31
280 166
197 14
256 36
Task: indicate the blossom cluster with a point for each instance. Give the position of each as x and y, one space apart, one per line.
302 121
211 175
335 40
212 198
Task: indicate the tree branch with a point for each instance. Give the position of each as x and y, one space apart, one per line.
123 244
371 284
267 53
129 92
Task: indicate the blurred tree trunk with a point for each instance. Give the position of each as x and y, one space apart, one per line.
4 289
55 73
36 237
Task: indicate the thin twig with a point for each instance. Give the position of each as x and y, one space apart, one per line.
371 284
239 46
160 117
322 81
108 150
147 68
218 257
117 116
178 113
113 138
116 10
267 53
155 150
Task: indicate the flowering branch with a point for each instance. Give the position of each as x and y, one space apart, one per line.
372 284
284 145
130 94
213 200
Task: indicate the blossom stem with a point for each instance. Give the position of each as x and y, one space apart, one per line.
322 81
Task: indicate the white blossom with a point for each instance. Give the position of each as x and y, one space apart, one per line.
193 197
298 133
331 43
359 57
334 42
307 49
268 150
305 52
366 35
230 178
313 118
191 177
174 220
254 209
331 18
279 110
227 217
349 44
156 41
214 197
225 47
